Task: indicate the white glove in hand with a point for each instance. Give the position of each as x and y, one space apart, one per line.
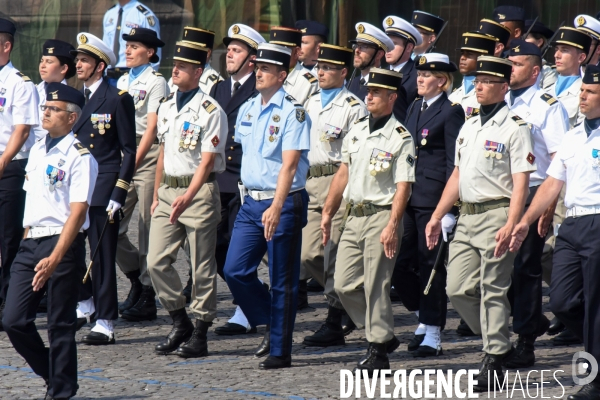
113 207
448 223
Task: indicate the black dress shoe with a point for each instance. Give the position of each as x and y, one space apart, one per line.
98 339
232 329
464 330
347 324
415 342
82 321
556 327
376 359
265 346
274 362
391 345
313 286
181 332
543 325
426 351
566 338
587 392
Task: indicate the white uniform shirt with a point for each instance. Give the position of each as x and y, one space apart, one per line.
468 101
331 124
135 15
203 117
40 132
577 163
209 77
547 78
19 105
73 171
548 122
570 100
300 84
147 90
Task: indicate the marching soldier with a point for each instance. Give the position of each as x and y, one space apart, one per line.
374 179
300 83
192 129
107 128
405 37
18 115
498 31
513 18
474 44
493 161
121 19
60 180
429 26
274 133
539 35
148 88
333 112
205 38
242 42
575 271
548 122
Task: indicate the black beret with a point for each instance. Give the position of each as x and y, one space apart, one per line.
492 28
426 21
58 48
519 47
56 91
592 75
198 35
309 28
285 36
7 26
509 13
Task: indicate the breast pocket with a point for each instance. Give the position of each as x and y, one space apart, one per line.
353 149
162 133
30 175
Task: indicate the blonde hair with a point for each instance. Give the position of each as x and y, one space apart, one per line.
449 79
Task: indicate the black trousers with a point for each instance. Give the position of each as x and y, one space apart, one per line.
103 285
525 293
574 294
57 364
230 205
413 268
12 208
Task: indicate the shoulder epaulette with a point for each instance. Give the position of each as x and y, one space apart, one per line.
143 9
126 73
23 76
290 98
169 97
576 125
81 149
208 106
403 132
314 94
548 98
254 95
122 92
361 119
112 7
518 120
353 101
157 73
310 77
454 90
213 77
455 104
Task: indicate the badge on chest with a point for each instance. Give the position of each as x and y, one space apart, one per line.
273 133
330 133
54 177
380 161
190 134
101 122
494 149
2 103
138 95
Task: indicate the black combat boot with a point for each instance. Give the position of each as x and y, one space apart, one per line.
491 371
347 324
134 292
376 358
196 346
144 309
181 332
330 333
523 355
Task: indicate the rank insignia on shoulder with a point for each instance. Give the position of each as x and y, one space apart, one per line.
213 77
208 106
290 98
403 132
454 90
157 73
518 120
122 92
300 114
151 20
352 101
454 104
548 98
169 97
314 94
361 119
530 158
23 76
142 9
310 77
410 160
80 149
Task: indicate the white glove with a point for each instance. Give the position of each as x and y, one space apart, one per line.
113 207
448 223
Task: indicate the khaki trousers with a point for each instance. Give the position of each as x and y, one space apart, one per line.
141 190
198 223
559 217
478 282
319 261
363 275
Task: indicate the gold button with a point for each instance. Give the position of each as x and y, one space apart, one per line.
233 137
75 134
234 127
228 158
91 146
91 135
231 147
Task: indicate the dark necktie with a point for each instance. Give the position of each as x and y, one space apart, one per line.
236 87
87 93
362 82
117 42
424 106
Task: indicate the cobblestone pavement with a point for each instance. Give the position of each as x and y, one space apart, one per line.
130 369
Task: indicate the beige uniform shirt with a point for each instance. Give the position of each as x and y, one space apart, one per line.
209 77
300 84
467 101
200 126
570 100
147 90
377 161
488 155
331 124
548 77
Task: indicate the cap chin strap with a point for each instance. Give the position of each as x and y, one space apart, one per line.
93 72
241 65
371 61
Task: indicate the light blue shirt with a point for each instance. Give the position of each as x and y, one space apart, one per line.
289 126
133 17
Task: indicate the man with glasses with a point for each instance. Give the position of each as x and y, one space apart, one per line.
494 157
333 111
18 115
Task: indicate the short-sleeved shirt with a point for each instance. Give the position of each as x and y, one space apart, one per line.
135 15
390 149
484 175
55 179
200 126
38 131
209 77
148 90
300 84
330 124
577 163
548 122
19 105
468 101
265 132
570 100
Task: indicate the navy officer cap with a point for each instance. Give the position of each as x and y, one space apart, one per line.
7 26
509 13
309 28
592 75
519 47
56 91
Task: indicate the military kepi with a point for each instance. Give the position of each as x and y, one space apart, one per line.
384 78
592 75
285 36
494 66
7 26
519 47
56 91
428 22
190 52
273 54
492 28
336 55
198 35
573 37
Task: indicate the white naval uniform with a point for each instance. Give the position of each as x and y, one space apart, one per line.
300 84
38 131
209 77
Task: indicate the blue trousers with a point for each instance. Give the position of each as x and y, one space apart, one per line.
246 249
